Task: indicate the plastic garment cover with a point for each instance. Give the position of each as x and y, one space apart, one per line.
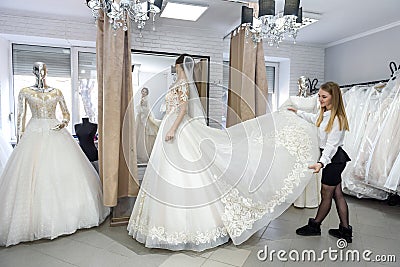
386 146
367 111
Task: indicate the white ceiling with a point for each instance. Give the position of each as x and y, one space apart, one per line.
340 19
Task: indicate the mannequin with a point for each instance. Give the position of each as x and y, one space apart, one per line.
86 132
48 187
40 72
43 92
304 91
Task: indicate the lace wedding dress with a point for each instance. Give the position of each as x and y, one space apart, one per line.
311 197
209 185
48 187
146 131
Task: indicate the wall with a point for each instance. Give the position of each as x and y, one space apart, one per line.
4 86
299 59
364 59
164 39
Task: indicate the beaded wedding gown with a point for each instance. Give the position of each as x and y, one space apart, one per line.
48 187
207 185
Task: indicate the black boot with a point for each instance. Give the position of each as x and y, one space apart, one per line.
342 232
312 228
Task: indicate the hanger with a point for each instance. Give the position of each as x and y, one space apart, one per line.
313 85
393 68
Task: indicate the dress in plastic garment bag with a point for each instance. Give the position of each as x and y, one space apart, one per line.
208 185
372 116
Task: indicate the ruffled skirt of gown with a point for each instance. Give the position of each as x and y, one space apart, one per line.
48 187
209 185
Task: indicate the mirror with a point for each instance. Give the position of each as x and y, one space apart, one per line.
152 75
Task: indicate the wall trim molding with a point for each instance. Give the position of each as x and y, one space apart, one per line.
363 34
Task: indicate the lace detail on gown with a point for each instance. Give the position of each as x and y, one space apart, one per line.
177 95
241 212
42 105
175 238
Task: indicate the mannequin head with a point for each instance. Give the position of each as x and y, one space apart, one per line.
303 88
40 71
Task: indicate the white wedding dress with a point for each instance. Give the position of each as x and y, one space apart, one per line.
5 152
207 185
146 131
48 187
311 197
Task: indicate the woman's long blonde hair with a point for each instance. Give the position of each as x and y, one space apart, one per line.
337 110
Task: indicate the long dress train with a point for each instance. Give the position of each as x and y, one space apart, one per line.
48 187
311 197
208 185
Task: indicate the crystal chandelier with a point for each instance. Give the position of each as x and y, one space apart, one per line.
119 12
271 27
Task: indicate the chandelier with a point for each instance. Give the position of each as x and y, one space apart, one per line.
119 12
274 28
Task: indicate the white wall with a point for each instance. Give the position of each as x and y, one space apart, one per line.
4 86
299 59
164 39
364 59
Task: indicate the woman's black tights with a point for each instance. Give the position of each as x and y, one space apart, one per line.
327 193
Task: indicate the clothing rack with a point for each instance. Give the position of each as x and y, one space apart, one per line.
393 68
365 83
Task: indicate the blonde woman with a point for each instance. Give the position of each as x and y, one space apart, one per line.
332 124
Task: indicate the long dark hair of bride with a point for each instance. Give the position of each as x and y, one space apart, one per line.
181 58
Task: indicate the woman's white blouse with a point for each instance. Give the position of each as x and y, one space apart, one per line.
327 141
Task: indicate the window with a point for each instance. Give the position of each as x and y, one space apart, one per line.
272 79
87 87
58 62
225 87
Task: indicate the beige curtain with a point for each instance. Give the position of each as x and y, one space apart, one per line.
247 97
201 80
117 171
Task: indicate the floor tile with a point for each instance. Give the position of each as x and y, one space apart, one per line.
231 256
25 256
182 260
67 250
211 263
93 238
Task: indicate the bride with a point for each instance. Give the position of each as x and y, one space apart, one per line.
204 186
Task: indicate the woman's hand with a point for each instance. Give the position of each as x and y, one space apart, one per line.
317 167
170 135
292 109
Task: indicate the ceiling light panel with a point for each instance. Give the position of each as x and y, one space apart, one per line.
183 11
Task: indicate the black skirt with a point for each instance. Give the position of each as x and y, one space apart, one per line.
332 173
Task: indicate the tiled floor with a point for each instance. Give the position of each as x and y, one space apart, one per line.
376 227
